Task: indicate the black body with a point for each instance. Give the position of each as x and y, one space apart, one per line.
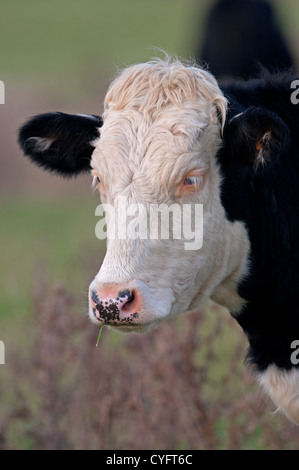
241 35
265 196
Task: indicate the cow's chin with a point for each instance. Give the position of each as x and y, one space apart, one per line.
132 326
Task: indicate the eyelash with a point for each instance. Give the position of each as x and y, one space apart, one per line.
191 185
192 180
95 181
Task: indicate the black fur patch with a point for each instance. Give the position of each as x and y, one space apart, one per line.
60 142
240 36
266 201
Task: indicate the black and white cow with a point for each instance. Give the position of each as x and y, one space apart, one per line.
168 135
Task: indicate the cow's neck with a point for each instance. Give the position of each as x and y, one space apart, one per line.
266 207
232 266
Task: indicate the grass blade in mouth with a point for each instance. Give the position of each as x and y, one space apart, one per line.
100 333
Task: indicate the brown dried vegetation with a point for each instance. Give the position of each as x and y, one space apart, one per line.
181 386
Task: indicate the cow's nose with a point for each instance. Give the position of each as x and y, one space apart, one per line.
113 304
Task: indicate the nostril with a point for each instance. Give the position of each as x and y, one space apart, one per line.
108 304
128 301
125 295
95 297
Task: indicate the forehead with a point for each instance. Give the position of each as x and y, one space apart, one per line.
154 122
131 138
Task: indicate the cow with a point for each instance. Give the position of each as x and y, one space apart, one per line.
241 35
169 134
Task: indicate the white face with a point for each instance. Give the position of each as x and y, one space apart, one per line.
164 154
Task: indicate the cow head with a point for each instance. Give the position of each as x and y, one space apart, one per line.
154 145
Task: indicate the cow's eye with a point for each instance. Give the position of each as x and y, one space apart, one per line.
95 178
191 184
193 180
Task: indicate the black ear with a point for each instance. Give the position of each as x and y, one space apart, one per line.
257 135
60 142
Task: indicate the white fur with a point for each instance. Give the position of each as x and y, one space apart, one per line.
161 121
283 388
41 144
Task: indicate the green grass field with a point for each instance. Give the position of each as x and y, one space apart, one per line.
53 237
62 39
182 386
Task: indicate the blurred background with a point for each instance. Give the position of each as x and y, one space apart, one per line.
182 386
